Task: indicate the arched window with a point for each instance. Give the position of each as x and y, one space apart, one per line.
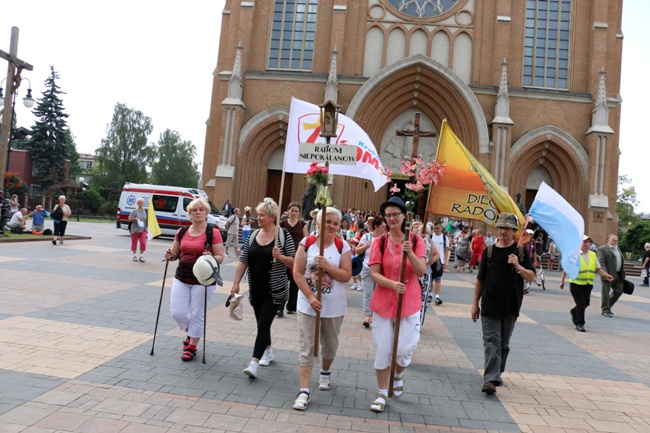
293 34
546 44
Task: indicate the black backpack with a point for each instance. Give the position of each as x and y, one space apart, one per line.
208 234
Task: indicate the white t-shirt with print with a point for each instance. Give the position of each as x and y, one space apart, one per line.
439 241
334 297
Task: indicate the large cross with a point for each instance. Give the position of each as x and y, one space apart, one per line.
416 134
13 82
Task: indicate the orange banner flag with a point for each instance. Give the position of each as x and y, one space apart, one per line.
467 189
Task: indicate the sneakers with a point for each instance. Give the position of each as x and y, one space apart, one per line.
438 300
141 259
60 241
135 259
354 287
267 358
324 382
251 370
429 298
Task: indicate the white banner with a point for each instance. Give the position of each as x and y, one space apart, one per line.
305 127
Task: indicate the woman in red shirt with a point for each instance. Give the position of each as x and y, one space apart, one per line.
385 263
476 248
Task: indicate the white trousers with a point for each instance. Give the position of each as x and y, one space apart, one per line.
186 304
383 330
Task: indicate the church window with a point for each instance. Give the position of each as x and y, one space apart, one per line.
546 44
293 33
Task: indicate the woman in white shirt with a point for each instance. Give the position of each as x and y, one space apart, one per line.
378 226
336 266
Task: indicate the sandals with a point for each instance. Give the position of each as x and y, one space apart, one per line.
189 354
379 403
302 401
398 386
186 343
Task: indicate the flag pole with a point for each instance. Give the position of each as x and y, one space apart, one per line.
277 232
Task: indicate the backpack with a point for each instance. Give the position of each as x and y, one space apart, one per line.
309 241
383 242
208 234
230 220
520 249
280 237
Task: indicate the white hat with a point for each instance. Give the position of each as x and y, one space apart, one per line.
236 307
204 270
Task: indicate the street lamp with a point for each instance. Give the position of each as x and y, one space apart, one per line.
28 101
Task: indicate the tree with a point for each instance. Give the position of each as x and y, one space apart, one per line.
50 138
125 153
625 202
636 237
175 164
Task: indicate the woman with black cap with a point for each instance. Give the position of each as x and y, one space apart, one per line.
385 263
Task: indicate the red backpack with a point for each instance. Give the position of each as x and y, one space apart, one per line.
309 241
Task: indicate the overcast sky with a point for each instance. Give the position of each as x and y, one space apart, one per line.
158 57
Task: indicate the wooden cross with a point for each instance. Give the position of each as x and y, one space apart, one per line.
416 134
14 69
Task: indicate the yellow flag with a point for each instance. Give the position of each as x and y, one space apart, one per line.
152 221
467 189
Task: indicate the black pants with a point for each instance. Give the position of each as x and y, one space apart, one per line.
581 294
264 314
59 228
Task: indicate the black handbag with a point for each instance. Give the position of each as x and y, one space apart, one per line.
436 269
628 287
57 214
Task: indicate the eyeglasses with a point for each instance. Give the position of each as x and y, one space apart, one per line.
392 215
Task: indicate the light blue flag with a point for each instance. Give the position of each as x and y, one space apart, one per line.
562 223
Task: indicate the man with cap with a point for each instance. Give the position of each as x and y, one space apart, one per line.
500 289
611 259
582 285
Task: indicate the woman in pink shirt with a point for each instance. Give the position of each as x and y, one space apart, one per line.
385 263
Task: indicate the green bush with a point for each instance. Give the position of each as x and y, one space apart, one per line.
92 200
109 208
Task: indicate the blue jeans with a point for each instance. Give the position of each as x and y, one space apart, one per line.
496 344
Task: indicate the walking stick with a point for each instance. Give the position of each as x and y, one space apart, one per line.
398 317
205 313
162 290
319 292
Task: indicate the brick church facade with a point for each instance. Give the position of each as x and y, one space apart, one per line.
531 87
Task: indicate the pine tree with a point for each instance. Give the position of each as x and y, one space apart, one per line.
50 139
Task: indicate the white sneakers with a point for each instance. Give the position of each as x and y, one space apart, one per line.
251 370
267 358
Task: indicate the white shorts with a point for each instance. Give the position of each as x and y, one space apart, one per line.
383 331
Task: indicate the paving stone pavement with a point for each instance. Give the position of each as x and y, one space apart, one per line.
76 328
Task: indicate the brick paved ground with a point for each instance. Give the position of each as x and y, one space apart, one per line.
76 324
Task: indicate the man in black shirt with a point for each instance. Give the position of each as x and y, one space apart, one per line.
500 288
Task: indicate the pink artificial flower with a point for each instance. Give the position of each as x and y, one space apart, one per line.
395 189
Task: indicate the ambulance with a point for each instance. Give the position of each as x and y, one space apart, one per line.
169 203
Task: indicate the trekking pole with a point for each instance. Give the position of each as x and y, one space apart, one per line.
205 313
162 291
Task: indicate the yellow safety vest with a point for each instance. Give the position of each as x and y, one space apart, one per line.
586 274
